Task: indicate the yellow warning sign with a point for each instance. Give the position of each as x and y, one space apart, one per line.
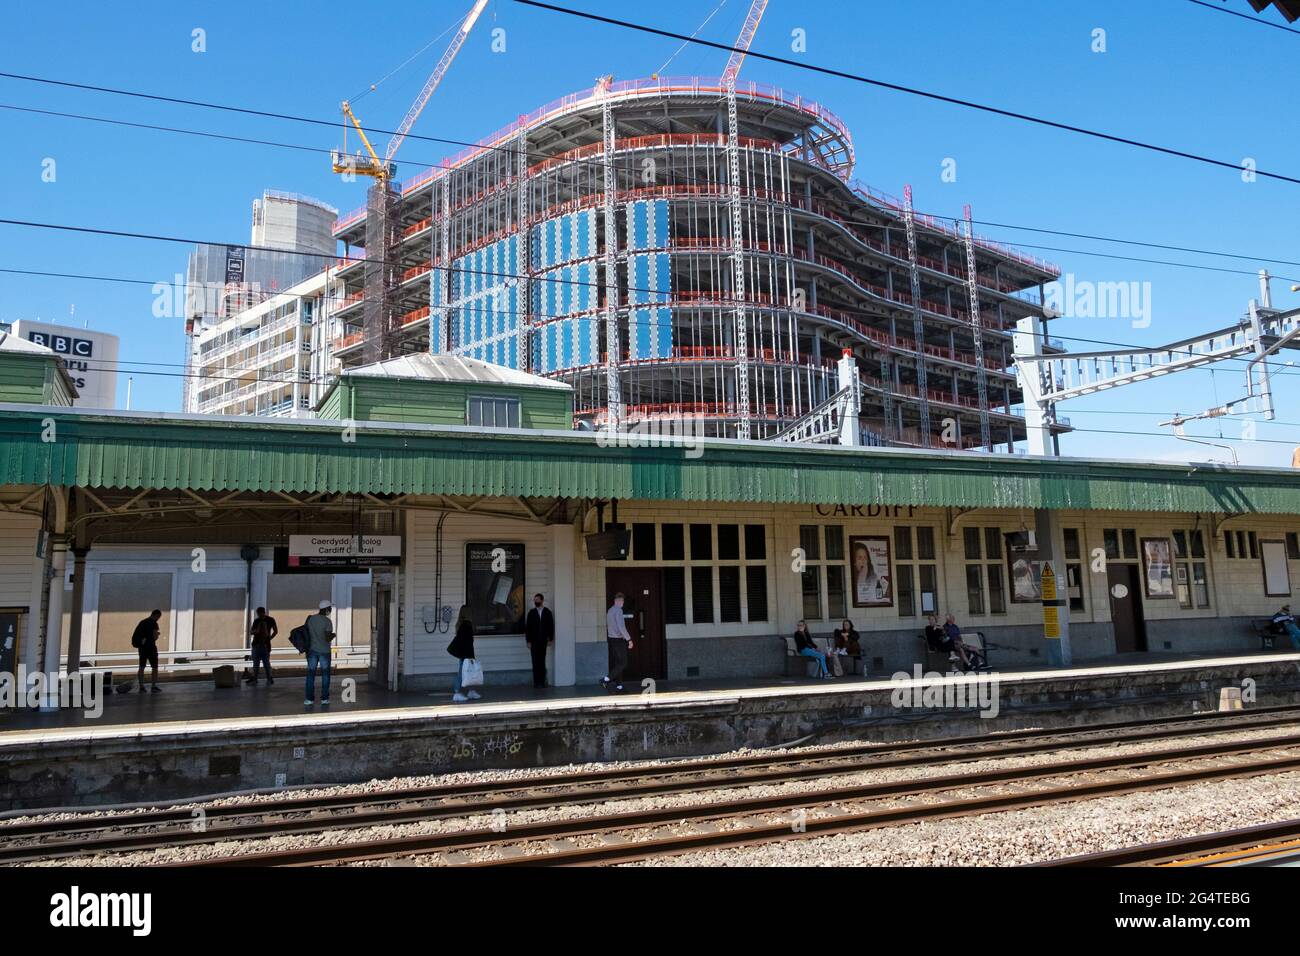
1048 585
1052 622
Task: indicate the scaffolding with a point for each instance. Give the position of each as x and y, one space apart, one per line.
693 250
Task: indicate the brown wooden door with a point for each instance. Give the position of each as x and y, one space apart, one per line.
1126 611
643 605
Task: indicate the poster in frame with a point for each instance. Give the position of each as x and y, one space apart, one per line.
494 586
870 571
1158 568
1025 577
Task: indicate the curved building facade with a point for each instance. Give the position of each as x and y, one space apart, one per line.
612 212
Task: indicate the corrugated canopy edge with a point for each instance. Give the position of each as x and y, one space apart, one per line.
150 450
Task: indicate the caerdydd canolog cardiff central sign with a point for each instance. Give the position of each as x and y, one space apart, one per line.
322 553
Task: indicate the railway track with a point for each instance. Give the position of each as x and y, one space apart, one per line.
631 837
1268 844
154 829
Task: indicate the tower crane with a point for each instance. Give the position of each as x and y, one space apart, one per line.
379 317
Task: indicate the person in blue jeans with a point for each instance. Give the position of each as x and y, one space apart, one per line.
1285 622
807 647
321 633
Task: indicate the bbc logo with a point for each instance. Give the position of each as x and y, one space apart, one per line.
64 344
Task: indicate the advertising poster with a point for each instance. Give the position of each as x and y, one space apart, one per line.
873 579
1158 563
494 586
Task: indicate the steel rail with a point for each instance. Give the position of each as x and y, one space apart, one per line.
464 840
1190 850
327 812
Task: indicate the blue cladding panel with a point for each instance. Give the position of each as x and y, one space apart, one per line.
649 280
485 302
563 288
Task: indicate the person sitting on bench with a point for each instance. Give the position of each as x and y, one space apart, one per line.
847 640
947 638
973 657
1284 623
807 647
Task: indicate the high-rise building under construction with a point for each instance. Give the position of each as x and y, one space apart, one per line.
612 216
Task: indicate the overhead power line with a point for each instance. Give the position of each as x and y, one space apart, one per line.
664 296
601 163
913 91
1245 16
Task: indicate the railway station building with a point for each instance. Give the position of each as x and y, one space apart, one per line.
468 484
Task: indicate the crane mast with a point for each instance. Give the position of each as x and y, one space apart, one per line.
380 324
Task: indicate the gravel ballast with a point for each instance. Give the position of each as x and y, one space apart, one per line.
964 841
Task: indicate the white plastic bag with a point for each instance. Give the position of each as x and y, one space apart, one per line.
471 673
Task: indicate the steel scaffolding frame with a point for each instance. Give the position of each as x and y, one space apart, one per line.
775 264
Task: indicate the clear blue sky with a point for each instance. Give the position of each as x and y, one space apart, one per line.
1173 74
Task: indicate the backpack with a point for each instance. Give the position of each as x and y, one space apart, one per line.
262 630
300 638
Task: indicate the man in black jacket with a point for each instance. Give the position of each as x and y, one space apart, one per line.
539 630
145 640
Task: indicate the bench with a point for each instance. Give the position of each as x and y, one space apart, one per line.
949 661
796 665
1268 636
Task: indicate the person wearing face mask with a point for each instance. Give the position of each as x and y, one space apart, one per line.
619 641
539 631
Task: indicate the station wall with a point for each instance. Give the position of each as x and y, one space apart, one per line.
437 579
203 604
1216 617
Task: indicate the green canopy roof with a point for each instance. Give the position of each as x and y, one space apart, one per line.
164 451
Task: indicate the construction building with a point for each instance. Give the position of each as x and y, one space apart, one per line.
234 337
611 214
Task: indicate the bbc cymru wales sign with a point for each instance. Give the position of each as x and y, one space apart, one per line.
89 357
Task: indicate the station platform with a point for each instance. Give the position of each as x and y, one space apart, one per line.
192 739
192 704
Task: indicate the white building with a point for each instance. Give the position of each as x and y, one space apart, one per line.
273 358
288 221
291 241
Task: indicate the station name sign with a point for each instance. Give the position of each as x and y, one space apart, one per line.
345 545
864 511
338 552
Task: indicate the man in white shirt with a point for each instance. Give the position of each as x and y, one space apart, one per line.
619 641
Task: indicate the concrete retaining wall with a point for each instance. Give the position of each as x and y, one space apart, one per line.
115 765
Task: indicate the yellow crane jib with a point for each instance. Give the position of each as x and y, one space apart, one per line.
368 165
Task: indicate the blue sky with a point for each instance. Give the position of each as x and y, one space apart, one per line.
1173 74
